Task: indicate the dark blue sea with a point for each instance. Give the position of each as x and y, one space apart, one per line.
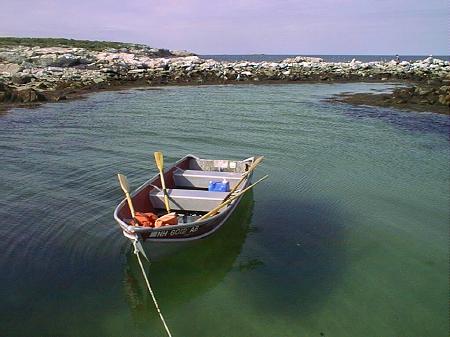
327 58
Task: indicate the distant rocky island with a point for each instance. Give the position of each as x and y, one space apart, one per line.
40 70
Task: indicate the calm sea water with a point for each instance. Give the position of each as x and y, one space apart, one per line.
327 58
348 237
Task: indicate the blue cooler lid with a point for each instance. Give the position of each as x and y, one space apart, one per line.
219 186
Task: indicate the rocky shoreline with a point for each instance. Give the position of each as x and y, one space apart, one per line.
430 96
29 75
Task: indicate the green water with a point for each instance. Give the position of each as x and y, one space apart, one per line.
348 237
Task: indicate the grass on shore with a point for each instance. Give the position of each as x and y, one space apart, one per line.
60 42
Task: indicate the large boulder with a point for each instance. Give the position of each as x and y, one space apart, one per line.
12 56
300 59
65 60
10 68
444 97
28 95
21 78
5 92
181 53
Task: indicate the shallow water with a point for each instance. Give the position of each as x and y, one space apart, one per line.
348 237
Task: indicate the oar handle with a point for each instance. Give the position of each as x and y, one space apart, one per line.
130 204
229 200
166 197
246 174
159 159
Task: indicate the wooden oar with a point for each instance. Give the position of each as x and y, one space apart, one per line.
126 189
245 175
160 164
229 200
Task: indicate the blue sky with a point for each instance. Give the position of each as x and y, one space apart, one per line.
242 27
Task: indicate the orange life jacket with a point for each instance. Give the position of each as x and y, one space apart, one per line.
167 220
145 219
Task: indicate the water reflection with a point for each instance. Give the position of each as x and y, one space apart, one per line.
190 272
302 246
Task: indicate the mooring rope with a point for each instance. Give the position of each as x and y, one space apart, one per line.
136 251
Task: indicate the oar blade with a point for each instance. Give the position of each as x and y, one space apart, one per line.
123 181
247 173
258 160
255 163
159 159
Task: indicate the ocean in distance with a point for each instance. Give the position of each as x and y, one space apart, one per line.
327 58
347 237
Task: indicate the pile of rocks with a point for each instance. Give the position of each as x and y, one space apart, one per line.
34 74
423 94
29 74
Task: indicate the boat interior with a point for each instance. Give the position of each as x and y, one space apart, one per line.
187 188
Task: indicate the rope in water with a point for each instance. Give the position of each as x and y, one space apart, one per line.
136 251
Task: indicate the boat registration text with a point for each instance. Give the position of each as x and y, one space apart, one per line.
174 232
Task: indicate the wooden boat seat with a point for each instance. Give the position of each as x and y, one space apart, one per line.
201 179
187 200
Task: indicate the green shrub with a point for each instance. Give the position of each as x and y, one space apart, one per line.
60 42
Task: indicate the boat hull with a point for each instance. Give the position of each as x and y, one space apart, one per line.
191 231
181 232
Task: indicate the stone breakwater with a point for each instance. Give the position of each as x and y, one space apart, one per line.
33 74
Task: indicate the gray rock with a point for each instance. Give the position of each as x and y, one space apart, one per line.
181 53
137 71
300 59
423 91
10 68
445 89
28 95
20 78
